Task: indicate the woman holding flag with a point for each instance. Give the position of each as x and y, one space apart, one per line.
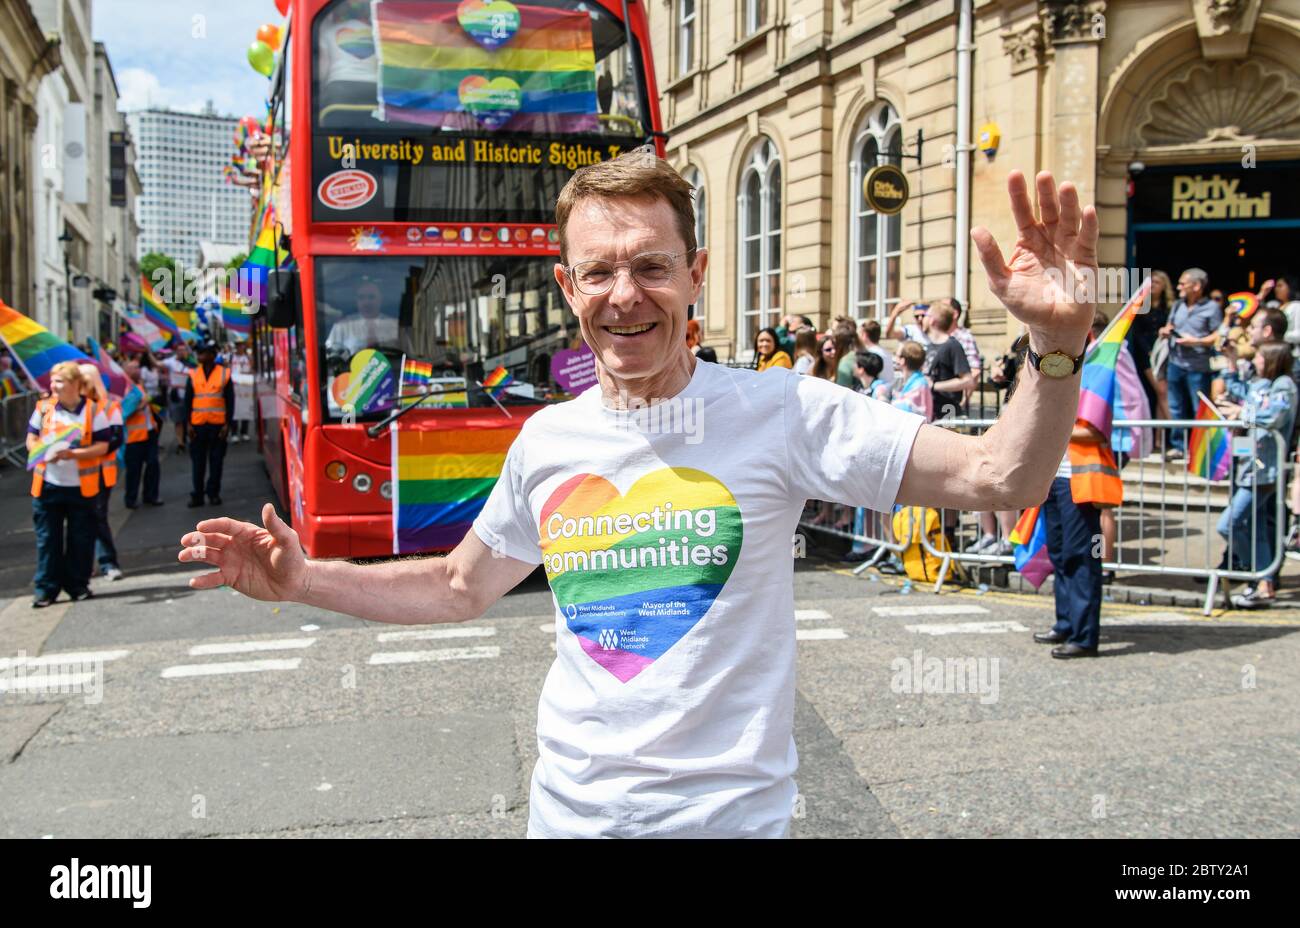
66 438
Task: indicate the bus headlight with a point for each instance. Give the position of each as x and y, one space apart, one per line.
336 471
362 483
386 489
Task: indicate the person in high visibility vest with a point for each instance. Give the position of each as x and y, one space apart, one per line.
105 549
209 407
65 484
140 452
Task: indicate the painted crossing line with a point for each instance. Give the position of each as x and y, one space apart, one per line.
819 634
436 633
478 652
225 667
958 609
810 615
966 628
547 629
62 660
47 683
248 647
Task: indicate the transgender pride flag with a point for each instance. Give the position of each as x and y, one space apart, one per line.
1030 540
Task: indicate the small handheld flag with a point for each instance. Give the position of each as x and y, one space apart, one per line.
1243 304
1030 540
1209 449
497 382
50 445
416 378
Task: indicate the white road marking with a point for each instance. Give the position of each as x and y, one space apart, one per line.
819 634
47 683
1147 618
958 609
61 660
440 654
432 633
966 628
810 615
548 628
309 628
210 670
247 647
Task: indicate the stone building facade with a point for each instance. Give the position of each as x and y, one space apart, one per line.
1179 118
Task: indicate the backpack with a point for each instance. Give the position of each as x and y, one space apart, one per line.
919 563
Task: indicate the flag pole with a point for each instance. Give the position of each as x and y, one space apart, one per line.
1139 296
493 398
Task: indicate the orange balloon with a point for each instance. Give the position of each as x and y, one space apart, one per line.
270 35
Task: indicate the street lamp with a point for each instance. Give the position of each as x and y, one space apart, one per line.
66 239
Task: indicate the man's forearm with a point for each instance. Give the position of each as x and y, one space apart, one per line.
1026 444
420 591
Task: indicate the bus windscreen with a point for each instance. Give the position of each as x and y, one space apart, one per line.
436 110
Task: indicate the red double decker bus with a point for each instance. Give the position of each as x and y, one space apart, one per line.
421 145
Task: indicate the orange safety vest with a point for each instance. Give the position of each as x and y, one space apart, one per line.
87 469
1094 475
209 396
108 463
139 423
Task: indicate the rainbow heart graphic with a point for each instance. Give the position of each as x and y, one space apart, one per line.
357 41
490 23
633 573
492 102
368 385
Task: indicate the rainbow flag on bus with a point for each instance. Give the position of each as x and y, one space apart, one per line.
415 382
251 283
1030 540
1209 450
34 347
470 66
236 318
442 478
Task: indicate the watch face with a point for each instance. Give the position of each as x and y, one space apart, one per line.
1056 364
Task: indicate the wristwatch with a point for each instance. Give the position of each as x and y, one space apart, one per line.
1056 364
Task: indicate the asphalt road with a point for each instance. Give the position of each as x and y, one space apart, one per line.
917 715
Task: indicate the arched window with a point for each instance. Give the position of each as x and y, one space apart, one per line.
693 177
760 245
875 240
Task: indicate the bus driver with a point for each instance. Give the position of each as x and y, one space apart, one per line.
368 327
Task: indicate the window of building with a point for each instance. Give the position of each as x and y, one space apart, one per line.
760 245
686 20
875 240
692 177
755 15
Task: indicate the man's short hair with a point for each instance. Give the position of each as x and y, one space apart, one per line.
804 320
1275 319
955 304
1197 276
637 174
870 362
871 328
913 355
943 317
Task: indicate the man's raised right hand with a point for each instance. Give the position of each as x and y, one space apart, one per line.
264 563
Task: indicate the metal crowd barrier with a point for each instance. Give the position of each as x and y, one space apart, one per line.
1163 504
15 411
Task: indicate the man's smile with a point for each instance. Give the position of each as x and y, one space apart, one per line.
630 331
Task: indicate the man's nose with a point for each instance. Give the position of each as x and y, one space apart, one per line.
624 291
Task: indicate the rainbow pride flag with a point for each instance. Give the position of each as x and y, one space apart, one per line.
1209 450
1243 304
156 311
235 316
441 479
61 438
497 382
1030 540
417 376
110 371
534 72
1100 392
146 329
251 284
34 347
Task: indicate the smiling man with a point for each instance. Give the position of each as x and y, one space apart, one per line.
669 708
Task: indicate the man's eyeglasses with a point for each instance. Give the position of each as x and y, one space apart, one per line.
651 269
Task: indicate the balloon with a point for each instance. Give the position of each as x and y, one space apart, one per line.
270 35
282 6
261 58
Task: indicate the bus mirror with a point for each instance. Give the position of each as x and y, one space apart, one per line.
282 297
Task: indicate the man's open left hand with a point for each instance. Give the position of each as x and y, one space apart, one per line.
1050 282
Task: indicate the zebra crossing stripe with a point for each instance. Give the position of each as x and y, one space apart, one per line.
225 667
46 683
967 628
64 659
439 654
427 634
248 647
810 615
958 609
819 634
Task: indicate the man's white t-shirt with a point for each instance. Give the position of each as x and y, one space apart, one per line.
668 540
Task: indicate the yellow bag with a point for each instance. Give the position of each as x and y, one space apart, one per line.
911 522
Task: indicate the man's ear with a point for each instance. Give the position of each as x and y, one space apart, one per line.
562 278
